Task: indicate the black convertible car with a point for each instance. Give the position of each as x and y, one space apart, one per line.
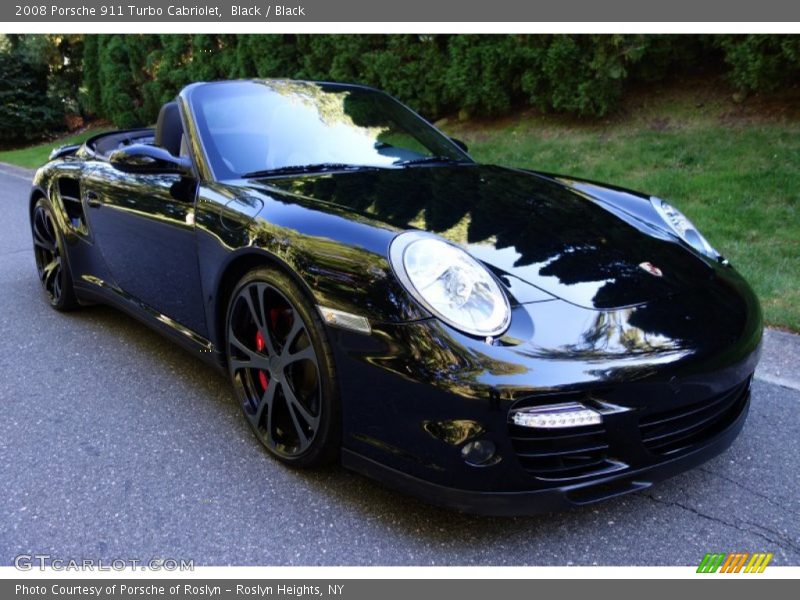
492 339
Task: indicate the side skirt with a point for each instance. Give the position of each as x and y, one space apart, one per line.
95 290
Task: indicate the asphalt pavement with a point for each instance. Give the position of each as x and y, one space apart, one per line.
116 444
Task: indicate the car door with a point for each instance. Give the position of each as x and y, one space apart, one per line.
143 224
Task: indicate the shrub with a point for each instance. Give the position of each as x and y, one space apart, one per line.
27 112
761 62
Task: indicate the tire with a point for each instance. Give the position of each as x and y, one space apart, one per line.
51 258
282 370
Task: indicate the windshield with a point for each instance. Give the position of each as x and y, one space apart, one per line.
251 127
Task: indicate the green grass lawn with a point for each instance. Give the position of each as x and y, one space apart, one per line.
34 157
738 180
734 171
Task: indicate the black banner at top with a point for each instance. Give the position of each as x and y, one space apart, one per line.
467 11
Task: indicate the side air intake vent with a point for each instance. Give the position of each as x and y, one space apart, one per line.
70 191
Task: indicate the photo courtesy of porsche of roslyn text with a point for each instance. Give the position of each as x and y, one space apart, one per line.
396 305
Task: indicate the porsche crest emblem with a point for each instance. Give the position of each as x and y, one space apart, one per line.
650 268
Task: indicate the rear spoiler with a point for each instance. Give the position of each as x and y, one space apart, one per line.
64 151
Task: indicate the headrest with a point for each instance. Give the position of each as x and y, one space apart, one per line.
169 128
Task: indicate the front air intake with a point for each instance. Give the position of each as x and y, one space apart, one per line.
679 430
560 441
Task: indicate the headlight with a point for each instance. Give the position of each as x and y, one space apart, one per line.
451 284
684 228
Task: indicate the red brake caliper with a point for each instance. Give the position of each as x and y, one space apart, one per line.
262 375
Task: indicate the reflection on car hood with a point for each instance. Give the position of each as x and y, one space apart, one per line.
533 227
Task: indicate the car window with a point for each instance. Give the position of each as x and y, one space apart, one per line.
249 126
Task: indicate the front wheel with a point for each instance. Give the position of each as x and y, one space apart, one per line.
51 263
281 366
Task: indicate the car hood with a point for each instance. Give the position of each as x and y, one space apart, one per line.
525 226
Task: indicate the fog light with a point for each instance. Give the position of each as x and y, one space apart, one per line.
554 416
479 453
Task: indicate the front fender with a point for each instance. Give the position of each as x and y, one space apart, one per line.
342 262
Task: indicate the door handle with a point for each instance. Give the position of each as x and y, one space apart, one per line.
93 200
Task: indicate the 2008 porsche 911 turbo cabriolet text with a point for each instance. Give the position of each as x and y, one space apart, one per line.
491 339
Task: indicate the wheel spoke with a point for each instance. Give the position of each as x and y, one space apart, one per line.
39 222
255 360
266 402
301 433
238 365
306 353
255 313
51 270
258 313
294 403
297 327
57 288
41 231
40 241
45 225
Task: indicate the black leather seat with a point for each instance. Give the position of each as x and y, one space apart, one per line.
169 128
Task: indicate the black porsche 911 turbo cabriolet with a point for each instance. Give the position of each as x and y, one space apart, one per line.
491 339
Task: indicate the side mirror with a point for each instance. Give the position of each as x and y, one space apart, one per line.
143 158
460 144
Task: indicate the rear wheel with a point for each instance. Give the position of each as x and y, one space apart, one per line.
51 264
282 371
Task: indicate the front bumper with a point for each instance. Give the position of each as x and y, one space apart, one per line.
675 372
530 502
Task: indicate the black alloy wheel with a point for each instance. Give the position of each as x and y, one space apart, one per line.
48 252
280 365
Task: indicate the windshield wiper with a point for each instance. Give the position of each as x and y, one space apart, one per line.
313 168
430 159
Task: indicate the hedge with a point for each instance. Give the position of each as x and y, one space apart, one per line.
126 78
